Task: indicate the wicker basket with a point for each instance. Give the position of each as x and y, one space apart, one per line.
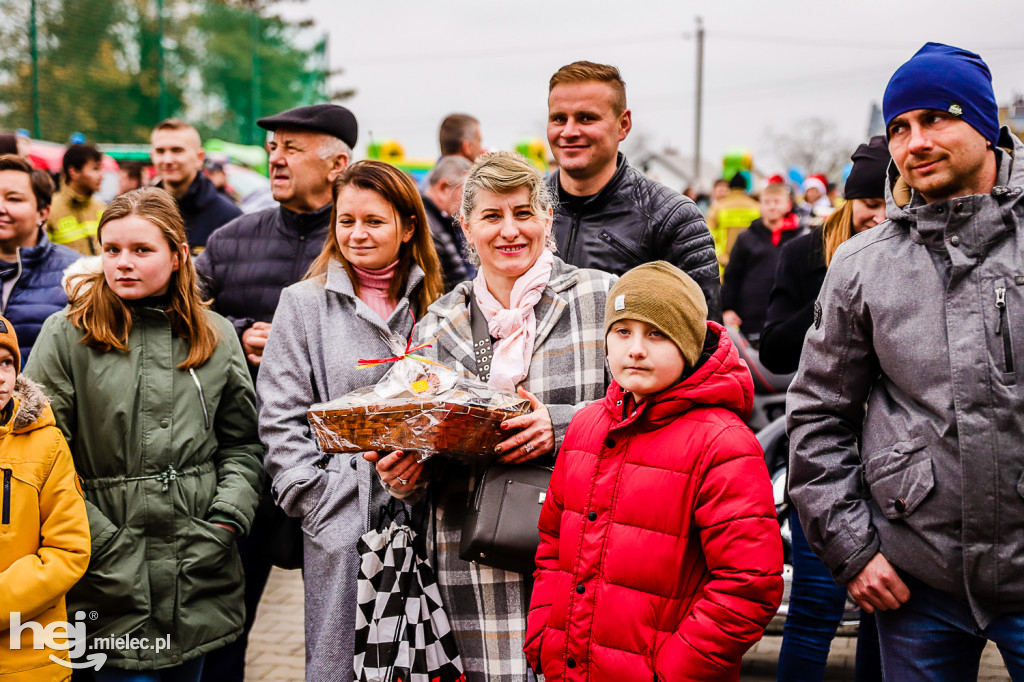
450 429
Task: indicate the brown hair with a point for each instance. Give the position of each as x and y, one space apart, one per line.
104 316
39 180
583 71
396 188
837 229
455 129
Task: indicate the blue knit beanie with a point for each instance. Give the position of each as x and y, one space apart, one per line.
949 79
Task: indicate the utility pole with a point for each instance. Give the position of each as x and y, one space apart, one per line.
33 36
699 103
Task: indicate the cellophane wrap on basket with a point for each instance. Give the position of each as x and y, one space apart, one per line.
417 406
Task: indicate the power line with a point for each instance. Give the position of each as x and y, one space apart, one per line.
803 41
520 50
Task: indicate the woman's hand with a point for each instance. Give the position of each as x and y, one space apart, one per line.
397 470
536 438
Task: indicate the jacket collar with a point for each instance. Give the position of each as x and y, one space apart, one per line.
31 254
74 198
304 223
28 407
597 201
455 334
339 282
199 194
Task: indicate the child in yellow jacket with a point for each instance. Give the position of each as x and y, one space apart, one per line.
44 531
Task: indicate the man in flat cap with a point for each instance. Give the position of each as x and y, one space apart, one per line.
906 417
247 263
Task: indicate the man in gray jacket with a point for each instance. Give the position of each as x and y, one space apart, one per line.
907 414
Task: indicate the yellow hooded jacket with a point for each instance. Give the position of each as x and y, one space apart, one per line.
44 532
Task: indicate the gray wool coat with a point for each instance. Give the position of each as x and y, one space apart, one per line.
906 417
487 607
320 332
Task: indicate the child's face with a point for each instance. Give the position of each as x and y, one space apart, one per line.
137 260
642 359
774 206
8 375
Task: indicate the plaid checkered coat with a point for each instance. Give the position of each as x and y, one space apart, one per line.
487 607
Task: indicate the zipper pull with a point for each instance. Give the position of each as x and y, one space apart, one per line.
1001 305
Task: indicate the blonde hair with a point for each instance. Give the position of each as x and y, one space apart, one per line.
502 173
106 319
837 229
396 188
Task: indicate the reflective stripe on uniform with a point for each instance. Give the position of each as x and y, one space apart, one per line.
69 229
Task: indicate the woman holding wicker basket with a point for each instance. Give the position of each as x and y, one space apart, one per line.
376 267
545 322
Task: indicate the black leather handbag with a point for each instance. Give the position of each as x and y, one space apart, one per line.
500 528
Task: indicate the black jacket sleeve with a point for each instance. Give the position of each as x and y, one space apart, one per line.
732 279
790 310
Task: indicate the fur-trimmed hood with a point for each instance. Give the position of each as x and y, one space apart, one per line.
32 406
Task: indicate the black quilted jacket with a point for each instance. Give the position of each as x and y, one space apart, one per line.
635 220
248 261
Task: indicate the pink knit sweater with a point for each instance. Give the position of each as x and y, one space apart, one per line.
373 289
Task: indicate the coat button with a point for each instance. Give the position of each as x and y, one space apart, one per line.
609 442
164 423
592 516
352 462
580 589
168 539
571 663
901 505
954 240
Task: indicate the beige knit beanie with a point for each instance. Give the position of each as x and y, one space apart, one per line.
662 295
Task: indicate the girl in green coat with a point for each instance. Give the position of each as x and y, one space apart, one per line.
153 395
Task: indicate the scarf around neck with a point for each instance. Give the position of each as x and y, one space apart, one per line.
515 327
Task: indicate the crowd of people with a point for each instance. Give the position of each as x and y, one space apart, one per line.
159 355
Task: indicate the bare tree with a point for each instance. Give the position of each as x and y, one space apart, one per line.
813 144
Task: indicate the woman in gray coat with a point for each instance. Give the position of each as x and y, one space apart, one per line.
379 266
547 322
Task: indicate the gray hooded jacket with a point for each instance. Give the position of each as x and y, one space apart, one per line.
906 417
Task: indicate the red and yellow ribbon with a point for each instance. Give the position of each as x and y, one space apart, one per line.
409 350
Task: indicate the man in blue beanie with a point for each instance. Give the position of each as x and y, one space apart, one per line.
906 417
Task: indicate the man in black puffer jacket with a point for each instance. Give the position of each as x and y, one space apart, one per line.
250 260
246 265
610 216
177 153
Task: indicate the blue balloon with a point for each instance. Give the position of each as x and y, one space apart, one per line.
796 175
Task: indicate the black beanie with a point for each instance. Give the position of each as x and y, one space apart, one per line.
738 181
867 179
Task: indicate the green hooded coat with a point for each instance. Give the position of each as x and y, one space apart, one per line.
162 452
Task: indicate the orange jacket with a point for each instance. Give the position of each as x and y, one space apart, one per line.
44 532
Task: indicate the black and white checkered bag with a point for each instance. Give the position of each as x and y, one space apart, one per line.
402 631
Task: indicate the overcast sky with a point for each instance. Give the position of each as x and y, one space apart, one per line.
767 64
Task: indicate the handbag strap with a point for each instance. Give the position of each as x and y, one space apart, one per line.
483 351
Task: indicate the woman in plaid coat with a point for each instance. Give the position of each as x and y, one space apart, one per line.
545 319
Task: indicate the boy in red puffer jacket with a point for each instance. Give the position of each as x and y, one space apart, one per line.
660 556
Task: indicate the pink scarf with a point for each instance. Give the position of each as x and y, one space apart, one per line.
515 327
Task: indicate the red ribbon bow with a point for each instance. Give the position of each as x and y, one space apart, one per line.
409 350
